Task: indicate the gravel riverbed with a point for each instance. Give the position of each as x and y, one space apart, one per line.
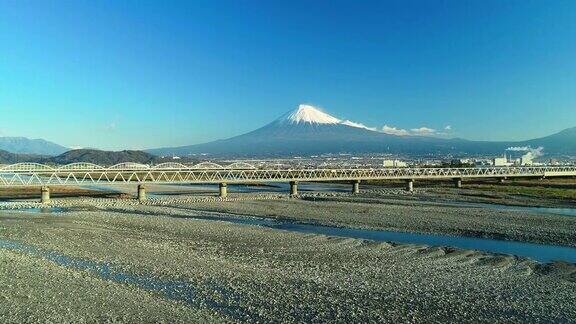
250 273
408 215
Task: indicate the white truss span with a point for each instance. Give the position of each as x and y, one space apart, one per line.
33 174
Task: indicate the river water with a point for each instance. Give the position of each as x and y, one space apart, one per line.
539 252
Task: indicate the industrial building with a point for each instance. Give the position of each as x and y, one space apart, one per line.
394 164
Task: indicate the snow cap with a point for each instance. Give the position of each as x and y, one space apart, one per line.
309 114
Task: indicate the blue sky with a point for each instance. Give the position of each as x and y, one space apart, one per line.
143 74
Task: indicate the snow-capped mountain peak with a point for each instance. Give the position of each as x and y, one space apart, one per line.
310 115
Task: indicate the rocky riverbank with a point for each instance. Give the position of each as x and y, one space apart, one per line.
408 215
220 271
423 211
249 273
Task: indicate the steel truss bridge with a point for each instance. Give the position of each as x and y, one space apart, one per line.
32 174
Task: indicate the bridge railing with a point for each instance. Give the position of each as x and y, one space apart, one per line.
85 173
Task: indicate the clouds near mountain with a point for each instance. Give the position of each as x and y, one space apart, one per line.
308 130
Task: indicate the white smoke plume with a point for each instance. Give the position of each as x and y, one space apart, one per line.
530 152
519 148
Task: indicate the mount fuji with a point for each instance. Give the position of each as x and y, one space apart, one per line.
308 130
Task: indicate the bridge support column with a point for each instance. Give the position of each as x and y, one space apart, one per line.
141 192
293 188
45 195
223 190
458 182
356 186
410 185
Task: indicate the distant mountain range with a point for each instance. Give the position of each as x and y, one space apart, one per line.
10 158
563 142
302 132
23 145
309 131
103 158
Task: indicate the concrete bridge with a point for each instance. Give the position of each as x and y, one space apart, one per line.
45 176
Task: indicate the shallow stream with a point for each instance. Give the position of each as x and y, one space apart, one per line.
539 252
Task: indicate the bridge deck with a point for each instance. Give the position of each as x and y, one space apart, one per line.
30 174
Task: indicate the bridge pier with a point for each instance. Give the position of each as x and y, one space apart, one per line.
45 195
141 192
458 182
223 189
356 186
410 185
293 188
